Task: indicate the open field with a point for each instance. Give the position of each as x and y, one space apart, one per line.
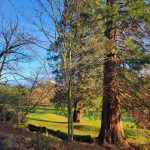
56 120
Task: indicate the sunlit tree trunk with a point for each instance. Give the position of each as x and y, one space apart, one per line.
111 126
77 114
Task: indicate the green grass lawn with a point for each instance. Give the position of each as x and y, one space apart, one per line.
56 119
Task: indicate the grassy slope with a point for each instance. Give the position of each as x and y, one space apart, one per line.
56 120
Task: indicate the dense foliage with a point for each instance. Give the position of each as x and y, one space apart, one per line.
112 33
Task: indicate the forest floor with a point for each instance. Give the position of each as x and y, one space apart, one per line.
13 138
20 139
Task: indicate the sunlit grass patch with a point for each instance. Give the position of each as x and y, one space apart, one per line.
56 120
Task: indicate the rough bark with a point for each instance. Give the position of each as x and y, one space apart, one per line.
111 127
77 114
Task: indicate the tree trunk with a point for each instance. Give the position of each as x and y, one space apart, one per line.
111 127
77 114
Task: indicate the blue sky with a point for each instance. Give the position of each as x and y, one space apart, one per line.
23 10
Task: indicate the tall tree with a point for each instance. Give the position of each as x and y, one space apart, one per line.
115 61
124 28
62 52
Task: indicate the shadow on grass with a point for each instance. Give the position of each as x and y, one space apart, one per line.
59 134
37 119
64 136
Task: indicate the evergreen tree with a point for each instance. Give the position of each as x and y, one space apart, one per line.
118 28
125 55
